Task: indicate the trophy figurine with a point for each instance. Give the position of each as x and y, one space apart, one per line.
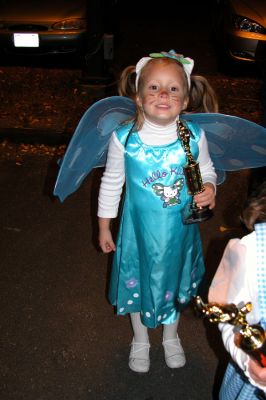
250 338
192 213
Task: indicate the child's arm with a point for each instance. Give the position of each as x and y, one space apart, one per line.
110 193
229 286
105 236
235 281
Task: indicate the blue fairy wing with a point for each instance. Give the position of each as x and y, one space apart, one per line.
234 143
89 144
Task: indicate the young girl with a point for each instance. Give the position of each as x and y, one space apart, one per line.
239 278
158 261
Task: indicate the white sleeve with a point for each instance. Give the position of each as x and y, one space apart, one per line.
206 165
230 285
235 282
112 180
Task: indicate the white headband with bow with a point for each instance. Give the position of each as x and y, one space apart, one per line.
186 62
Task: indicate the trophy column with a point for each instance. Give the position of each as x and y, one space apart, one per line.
192 213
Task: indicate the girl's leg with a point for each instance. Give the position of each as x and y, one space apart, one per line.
170 330
173 351
139 360
140 331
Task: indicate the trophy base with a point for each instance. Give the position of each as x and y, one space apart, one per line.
194 215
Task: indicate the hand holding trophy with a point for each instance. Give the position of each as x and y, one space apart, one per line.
250 338
193 213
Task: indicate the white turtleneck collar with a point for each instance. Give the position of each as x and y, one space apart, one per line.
154 134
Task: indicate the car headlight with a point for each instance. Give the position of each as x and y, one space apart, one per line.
246 24
69 24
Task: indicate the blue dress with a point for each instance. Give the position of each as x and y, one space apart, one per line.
158 263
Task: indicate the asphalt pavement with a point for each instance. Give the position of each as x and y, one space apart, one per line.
60 338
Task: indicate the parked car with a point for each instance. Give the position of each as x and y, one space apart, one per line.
239 26
50 26
77 29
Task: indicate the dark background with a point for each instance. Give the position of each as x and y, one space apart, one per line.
60 339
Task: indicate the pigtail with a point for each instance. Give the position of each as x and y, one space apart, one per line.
126 85
127 88
202 97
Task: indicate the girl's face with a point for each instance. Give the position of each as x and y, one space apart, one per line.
163 94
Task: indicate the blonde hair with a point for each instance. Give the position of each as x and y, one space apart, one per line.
255 210
202 97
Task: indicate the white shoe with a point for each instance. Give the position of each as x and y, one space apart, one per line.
139 359
174 353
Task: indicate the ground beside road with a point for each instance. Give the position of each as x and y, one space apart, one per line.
43 106
55 99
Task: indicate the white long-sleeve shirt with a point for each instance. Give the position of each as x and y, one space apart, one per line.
114 175
235 281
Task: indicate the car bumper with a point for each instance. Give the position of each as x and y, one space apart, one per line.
49 43
242 45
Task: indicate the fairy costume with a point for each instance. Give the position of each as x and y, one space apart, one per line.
158 262
164 196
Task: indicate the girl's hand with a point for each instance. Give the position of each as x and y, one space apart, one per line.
106 241
105 236
256 372
206 198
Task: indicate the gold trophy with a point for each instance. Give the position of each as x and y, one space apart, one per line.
250 338
192 213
